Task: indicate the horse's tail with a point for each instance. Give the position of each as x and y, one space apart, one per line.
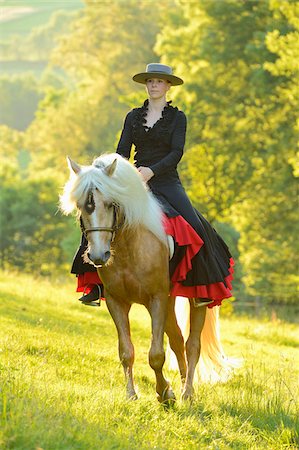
213 365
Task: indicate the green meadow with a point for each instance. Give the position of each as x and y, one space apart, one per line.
61 384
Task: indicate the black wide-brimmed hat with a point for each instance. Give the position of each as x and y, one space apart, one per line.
156 70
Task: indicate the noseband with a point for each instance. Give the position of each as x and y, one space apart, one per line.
116 224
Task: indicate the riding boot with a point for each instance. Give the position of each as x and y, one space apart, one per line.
93 298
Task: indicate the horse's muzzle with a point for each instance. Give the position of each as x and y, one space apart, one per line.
101 260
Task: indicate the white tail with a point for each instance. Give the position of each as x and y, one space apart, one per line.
213 366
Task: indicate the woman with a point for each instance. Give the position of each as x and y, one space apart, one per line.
202 266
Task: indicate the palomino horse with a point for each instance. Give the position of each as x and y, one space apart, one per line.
123 224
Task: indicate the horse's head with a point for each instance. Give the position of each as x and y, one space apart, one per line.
99 215
107 193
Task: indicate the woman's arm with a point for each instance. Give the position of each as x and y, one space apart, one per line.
125 142
177 147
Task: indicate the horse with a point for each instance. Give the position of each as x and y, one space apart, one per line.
123 224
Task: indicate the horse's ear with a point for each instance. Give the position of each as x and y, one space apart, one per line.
111 168
73 166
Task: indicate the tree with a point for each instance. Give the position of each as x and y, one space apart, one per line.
84 119
19 97
242 131
272 265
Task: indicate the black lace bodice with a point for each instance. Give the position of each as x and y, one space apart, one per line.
159 130
159 147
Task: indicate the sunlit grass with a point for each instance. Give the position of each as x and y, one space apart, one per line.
62 385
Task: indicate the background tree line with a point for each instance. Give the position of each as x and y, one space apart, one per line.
239 60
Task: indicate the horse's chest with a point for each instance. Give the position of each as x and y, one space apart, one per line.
134 284
139 268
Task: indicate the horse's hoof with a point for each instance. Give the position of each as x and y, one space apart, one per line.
167 399
133 397
187 396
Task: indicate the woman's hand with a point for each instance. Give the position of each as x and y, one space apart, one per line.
146 173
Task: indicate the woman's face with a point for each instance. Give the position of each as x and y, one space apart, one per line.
157 88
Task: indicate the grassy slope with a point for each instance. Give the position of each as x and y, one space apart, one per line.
41 13
23 24
62 385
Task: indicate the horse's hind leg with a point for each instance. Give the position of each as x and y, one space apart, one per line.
120 315
197 319
176 340
158 309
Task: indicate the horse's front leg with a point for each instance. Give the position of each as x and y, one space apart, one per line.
158 309
197 320
120 315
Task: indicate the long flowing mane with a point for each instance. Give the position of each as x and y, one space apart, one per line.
124 187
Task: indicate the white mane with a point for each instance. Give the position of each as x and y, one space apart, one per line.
124 187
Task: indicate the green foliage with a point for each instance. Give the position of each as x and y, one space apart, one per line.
19 97
241 96
30 228
62 386
84 120
11 141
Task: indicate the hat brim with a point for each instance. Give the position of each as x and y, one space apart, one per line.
142 77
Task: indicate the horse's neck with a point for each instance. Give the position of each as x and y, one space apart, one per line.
136 242
129 238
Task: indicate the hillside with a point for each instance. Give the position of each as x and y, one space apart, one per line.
62 385
28 33
21 17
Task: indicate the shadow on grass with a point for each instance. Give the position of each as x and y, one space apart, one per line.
266 421
30 425
198 411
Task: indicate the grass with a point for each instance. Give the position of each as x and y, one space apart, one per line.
61 385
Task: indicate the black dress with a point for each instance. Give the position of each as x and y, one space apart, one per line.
207 273
202 265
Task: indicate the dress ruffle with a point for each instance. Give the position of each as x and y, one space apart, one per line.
86 281
161 127
184 235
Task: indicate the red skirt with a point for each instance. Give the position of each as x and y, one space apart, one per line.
184 235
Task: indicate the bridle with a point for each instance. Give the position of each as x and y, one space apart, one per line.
113 229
